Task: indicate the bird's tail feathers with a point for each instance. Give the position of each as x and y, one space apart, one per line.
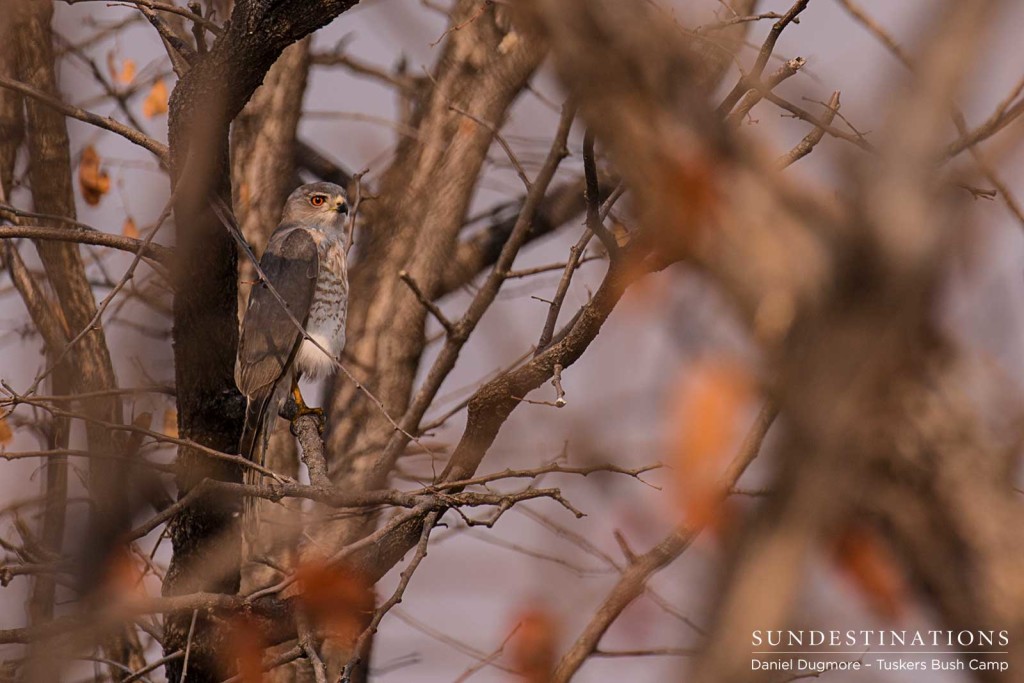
259 414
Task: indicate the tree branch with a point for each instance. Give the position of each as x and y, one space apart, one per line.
128 133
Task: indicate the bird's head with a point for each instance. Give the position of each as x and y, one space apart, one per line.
322 205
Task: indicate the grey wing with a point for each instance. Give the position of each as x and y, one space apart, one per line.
269 336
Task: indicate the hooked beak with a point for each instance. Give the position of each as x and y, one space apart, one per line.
340 206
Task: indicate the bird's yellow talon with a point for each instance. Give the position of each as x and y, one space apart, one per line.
302 409
318 413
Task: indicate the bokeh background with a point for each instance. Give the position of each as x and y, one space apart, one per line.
478 583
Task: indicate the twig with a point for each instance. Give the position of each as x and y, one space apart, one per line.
188 645
746 81
1003 115
805 146
551 267
811 118
164 7
157 436
458 27
653 652
552 468
468 650
427 302
489 659
197 27
339 58
274 662
753 96
632 582
732 21
513 159
556 382
357 201
130 134
359 651
153 666
156 252
555 305
309 647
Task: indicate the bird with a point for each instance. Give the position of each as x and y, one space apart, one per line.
304 280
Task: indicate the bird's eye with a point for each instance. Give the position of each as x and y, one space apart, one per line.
318 200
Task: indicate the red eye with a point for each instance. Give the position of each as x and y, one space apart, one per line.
317 200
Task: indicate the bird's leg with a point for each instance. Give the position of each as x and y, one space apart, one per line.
302 409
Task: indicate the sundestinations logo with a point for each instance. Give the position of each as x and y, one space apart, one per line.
885 650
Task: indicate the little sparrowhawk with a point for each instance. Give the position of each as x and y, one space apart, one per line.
305 264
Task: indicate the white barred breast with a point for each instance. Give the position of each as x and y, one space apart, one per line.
327 314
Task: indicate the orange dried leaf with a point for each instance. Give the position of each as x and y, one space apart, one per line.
534 646
706 426
6 433
123 577
127 73
867 561
689 188
123 74
245 647
156 101
621 234
92 180
337 599
129 229
171 423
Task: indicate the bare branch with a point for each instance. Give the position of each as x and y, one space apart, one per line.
633 580
806 146
130 134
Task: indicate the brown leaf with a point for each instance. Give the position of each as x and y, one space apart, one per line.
171 423
123 74
706 416
621 234
245 647
92 180
122 577
337 599
688 187
6 433
534 646
129 229
864 557
156 101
